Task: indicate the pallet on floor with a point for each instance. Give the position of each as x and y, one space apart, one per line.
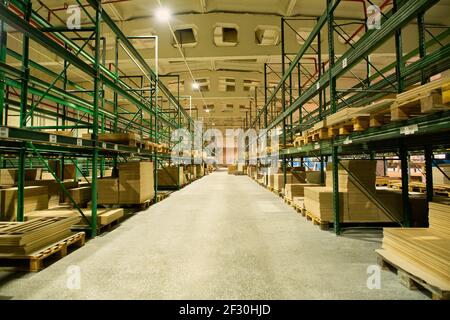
409 280
323 225
40 259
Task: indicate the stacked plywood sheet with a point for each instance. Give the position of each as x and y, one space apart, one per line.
423 253
81 195
125 138
21 238
55 192
276 180
439 217
312 177
438 175
293 190
11 176
136 183
319 202
232 168
35 198
169 176
108 191
69 169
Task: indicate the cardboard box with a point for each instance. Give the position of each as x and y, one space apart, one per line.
136 183
293 190
167 177
35 198
81 195
108 191
11 176
55 192
69 169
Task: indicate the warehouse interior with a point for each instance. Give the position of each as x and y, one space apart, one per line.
206 149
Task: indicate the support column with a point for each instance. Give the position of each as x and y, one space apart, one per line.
429 171
422 43
23 114
3 46
283 99
405 180
97 101
336 207
398 53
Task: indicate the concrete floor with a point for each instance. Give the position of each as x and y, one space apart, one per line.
222 237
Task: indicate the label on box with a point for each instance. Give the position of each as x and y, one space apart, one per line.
52 138
4 132
408 130
79 142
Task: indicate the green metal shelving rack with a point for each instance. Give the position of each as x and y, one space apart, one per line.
431 131
85 107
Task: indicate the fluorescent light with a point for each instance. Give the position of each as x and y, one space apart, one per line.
163 14
195 86
207 110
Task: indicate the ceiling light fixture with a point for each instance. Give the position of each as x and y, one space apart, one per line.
163 14
195 86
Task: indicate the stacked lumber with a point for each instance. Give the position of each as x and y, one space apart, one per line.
35 198
312 177
136 183
124 138
232 168
70 170
169 176
55 192
439 177
293 190
65 133
11 176
423 253
26 237
439 218
81 195
108 191
104 216
319 202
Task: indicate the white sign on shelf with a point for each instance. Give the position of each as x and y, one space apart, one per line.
79 142
116 147
4 132
408 130
316 146
344 63
317 85
348 141
104 145
139 150
52 138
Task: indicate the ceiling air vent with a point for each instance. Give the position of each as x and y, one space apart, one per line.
186 37
267 36
226 35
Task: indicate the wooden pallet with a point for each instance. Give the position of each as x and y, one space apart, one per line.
323 225
424 99
42 258
288 201
411 281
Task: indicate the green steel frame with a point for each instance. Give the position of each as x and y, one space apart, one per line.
388 138
85 107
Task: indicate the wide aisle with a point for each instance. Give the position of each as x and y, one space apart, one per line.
222 237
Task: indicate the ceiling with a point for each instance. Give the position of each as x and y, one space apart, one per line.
240 61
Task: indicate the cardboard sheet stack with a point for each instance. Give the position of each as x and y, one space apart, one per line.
35 198
232 168
422 252
55 194
69 169
81 195
22 238
104 216
167 177
297 189
135 184
9 177
439 177
355 206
